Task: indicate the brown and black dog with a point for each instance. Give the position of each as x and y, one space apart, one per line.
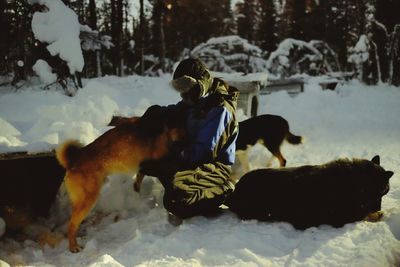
119 150
269 130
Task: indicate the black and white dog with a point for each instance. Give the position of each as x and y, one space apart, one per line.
269 130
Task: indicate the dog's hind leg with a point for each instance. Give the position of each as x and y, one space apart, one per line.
83 198
138 182
279 156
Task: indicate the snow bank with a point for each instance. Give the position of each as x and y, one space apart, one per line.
60 28
130 229
9 135
47 118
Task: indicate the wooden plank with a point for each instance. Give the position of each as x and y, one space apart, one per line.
24 154
292 86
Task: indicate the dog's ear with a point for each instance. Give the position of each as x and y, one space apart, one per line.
388 174
153 120
152 112
376 160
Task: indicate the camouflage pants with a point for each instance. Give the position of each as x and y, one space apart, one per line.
198 192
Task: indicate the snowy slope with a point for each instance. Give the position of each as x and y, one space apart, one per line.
128 229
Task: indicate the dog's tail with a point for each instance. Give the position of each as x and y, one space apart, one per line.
293 139
67 152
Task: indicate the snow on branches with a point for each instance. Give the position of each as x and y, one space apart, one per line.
296 56
59 27
235 54
230 54
92 40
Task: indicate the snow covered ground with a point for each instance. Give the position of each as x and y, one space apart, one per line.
130 229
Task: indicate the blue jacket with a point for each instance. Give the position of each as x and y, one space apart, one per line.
212 128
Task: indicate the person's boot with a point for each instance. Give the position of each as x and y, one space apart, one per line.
174 220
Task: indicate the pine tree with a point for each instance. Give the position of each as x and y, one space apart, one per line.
282 31
387 33
19 39
157 29
296 16
314 25
343 25
92 58
267 29
116 34
4 37
190 22
247 21
141 40
92 15
394 67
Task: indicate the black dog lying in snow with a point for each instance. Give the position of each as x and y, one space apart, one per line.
335 193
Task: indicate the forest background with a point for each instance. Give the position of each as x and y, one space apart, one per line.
146 37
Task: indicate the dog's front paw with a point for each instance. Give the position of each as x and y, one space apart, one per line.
75 248
136 186
374 216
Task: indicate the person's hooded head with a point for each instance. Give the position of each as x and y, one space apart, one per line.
192 80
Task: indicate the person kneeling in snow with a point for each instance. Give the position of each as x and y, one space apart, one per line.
196 176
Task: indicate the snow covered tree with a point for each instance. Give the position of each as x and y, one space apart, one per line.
372 68
230 54
296 56
92 56
344 24
92 41
58 28
377 47
362 56
387 35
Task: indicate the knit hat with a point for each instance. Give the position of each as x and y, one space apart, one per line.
192 77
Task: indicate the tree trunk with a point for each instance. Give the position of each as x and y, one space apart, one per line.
116 32
120 25
3 37
92 15
162 40
98 64
394 49
372 72
141 47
